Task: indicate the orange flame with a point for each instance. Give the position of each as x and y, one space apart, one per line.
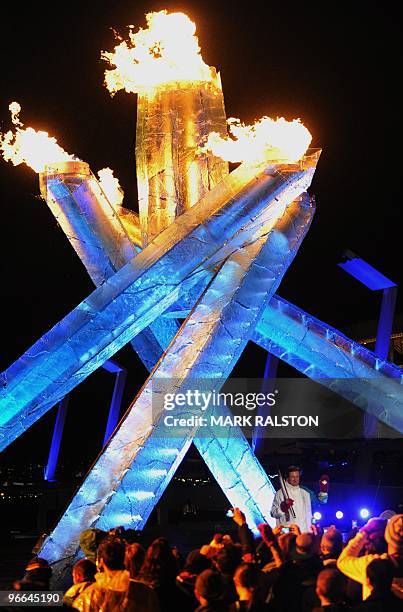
166 51
268 139
111 187
36 149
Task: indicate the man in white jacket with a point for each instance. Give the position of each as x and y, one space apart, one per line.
298 500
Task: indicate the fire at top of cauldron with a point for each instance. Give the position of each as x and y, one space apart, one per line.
166 54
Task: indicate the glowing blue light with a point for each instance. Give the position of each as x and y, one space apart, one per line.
339 514
364 513
317 516
366 274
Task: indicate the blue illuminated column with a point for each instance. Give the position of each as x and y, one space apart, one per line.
116 402
50 470
375 281
113 416
385 323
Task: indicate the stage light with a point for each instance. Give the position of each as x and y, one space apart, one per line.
339 514
317 516
364 513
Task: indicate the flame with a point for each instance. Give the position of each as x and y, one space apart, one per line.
111 187
15 110
36 149
273 139
167 50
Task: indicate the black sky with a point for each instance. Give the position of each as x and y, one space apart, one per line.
334 66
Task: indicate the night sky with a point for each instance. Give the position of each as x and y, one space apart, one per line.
334 69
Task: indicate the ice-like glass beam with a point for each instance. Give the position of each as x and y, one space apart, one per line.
327 356
86 216
139 292
117 489
172 124
98 233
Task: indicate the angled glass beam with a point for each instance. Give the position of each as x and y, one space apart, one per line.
138 293
321 352
101 235
86 216
330 358
118 489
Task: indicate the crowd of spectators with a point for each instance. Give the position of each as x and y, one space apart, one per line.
278 572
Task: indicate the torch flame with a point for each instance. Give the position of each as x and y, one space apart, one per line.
167 50
273 139
35 148
111 187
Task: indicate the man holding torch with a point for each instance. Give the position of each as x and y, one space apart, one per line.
292 503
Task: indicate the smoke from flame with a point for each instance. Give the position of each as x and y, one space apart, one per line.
167 50
111 187
34 148
268 139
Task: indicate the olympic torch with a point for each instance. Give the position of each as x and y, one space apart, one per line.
289 510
